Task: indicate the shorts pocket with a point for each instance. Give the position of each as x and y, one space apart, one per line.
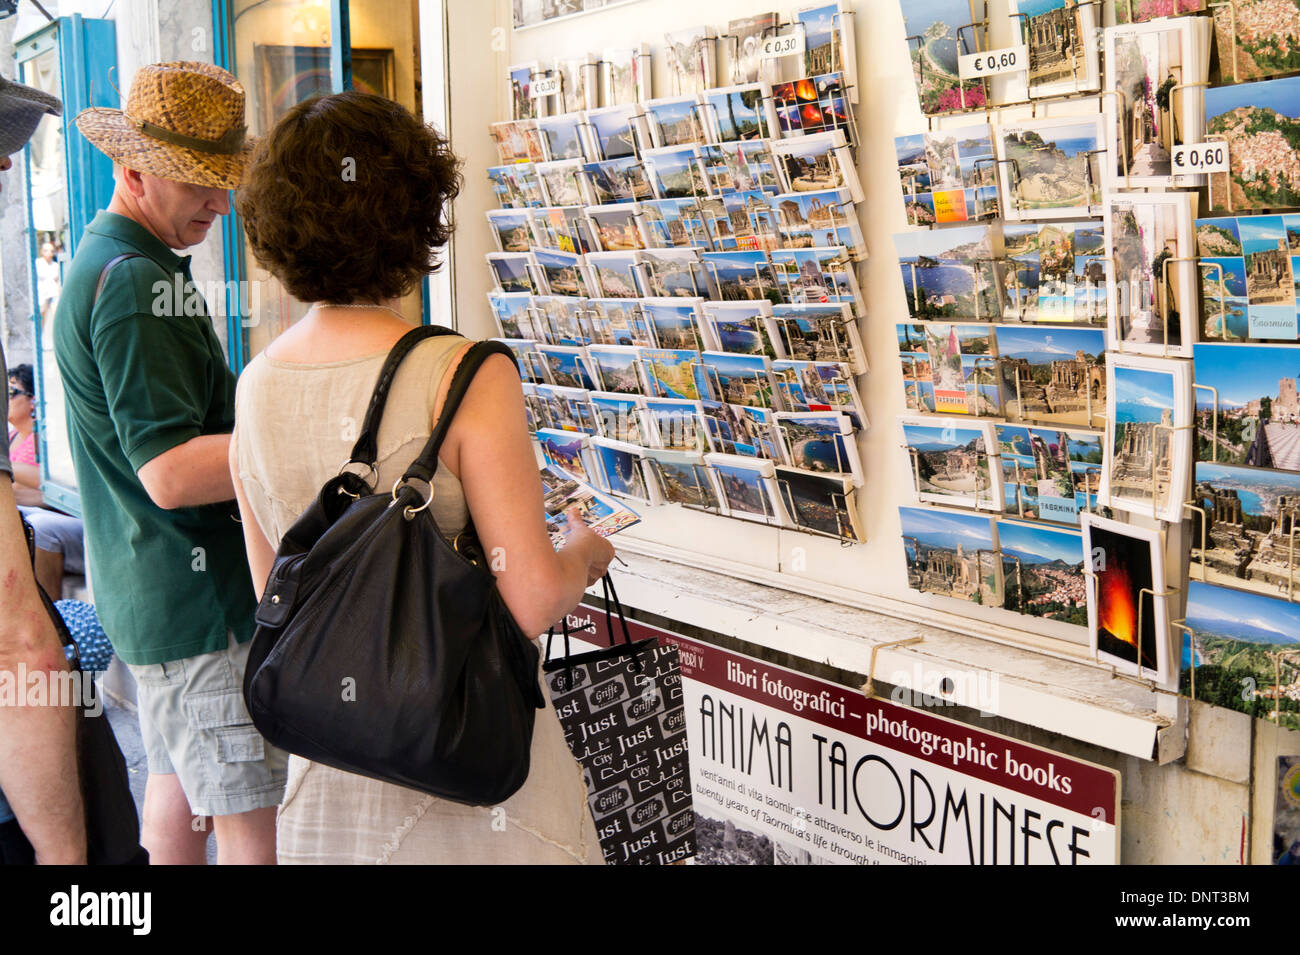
236 759
239 744
157 674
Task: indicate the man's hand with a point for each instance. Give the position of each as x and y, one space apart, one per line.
196 472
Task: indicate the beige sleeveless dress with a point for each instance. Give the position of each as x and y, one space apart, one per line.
295 426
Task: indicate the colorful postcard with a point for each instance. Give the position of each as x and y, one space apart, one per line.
1148 446
818 162
821 441
748 487
743 276
617 368
675 322
814 104
518 141
618 180
617 228
562 320
512 271
513 315
1137 11
1053 272
523 105
615 273
675 223
674 373
1255 38
1260 123
674 424
1043 569
952 555
808 219
740 327
566 365
740 112
948 176
750 165
562 491
1247 407
684 478
826 503
676 272
1230 657
564 409
565 449
1047 474
1242 537
1248 268
619 321
564 273
526 357
618 417
739 379
618 470
932 29
1148 294
562 137
817 276
819 333
951 462
948 273
1053 168
676 172
742 430
616 130
675 120
800 386
829 40
1061 41
1055 375
962 370
563 227
562 182
1128 619
516 186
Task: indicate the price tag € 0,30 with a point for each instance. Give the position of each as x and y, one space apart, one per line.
1193 158
791 44
992 62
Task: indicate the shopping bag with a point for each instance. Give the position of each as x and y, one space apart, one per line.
623 718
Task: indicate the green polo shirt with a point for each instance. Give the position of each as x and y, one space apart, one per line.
143 376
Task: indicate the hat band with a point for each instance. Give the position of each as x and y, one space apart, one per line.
230 144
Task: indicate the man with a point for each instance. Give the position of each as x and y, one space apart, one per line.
150 405
41 816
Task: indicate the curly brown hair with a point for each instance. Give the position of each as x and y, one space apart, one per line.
349 198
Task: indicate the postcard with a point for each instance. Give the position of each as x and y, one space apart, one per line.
516 186
1051 374
518 141
951 462
740 112
617 228
617 180
562 491
1052 168
948 175
565 449
616 130
562 138
1047 474
817 276
830 41
842 392
676 172
746 36
674 424
1043 570
513 271
530 363
674 373
1149 116
962 369
739 379
741 429
566 365
614 273
742 276
1243 535
932 26
562 182
523 105
748 487
1148 295
948 273
675 322
750 165
691 56
626 74
1247 410
819 333
514 318
618 416
1259 122
821 441
675 272
1128 620
1137 11
745 222
616 368
675 223
819 162
562 320
1248 268
683 478
952 555
1235 637
740 327
579 89
800 386
563 227
675 121
1255 38
1061 41
825 503
618 469
563 273
1053 272
565 409
827 218
814 104
619 321
1148 441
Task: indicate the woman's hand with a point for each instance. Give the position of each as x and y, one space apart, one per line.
596 549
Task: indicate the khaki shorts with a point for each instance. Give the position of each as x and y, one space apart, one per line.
193 723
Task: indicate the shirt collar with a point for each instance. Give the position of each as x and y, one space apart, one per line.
119 227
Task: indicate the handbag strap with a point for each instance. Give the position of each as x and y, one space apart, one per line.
366 449
424 466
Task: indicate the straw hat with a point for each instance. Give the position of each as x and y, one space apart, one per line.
21 109
183 122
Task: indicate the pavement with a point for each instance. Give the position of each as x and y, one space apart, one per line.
126 727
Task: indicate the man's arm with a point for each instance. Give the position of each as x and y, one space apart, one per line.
196 472
38 747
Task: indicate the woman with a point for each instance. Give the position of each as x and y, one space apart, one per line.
22 435
345 203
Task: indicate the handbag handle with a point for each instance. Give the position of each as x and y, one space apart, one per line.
366 449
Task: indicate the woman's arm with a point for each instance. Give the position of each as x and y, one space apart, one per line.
488 448
261 554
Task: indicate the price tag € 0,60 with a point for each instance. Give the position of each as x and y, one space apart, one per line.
1007 60
1193 158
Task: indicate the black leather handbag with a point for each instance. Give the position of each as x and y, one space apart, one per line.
112 825
381 648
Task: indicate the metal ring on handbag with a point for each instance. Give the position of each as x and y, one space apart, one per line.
369 481
408 512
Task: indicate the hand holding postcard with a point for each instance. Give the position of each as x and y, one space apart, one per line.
562 491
